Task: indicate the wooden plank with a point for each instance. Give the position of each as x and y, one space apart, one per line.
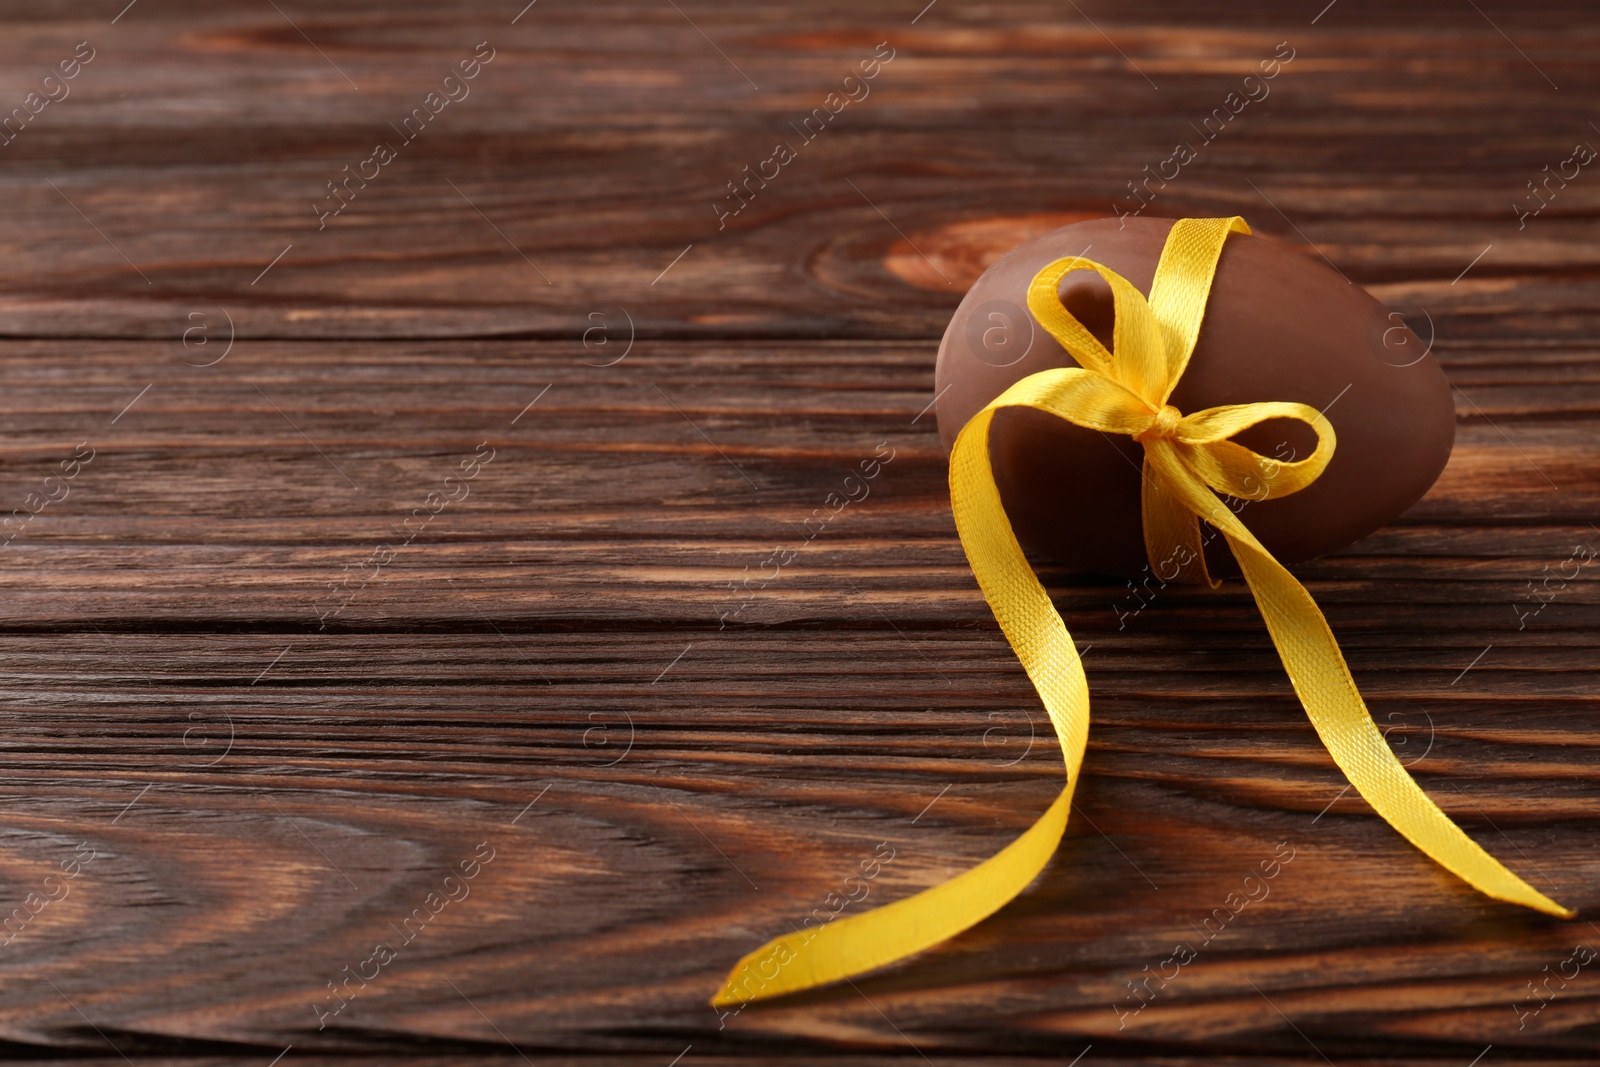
236 476
198 141
258 744
285 792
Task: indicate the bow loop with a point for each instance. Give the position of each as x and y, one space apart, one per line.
1204 445
1138 357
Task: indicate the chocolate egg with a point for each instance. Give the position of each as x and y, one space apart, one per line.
1278 326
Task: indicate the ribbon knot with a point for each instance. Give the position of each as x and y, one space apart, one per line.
1165 424
1188 460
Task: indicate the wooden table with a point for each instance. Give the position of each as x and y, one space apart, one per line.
368 538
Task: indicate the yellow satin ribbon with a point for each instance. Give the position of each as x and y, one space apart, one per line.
1188 459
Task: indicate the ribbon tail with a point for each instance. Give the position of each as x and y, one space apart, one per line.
1022 607
1171 534
845 948
1322 680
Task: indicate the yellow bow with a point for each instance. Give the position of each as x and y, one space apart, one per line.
1188 459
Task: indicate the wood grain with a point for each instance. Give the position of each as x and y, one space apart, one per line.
580 664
